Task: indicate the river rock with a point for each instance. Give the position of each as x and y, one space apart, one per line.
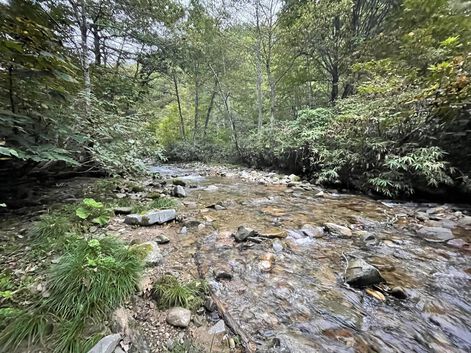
122 210
159 217
219 327
277 246
212 188
464 221
243 233
179 191
435 234
459 243
360 273
294 178
151 217
154 256
398 292
106 344
162 239
312 232
178 182
339 230
179 317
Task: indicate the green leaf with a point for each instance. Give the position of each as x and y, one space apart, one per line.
92 203
82 213
101 220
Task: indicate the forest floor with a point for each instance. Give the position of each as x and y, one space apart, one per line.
278 254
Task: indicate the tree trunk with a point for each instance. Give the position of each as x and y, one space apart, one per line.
271 82
85 64
197 101
96 44
334 93
182 122
210 108
10 89
259 69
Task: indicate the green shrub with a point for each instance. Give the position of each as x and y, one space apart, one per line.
170 292
52 226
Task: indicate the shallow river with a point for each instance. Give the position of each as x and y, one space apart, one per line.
289 294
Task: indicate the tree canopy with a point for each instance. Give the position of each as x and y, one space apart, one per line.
369 94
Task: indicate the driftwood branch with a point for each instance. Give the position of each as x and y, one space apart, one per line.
248 344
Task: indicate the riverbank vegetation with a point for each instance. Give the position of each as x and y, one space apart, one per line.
367 94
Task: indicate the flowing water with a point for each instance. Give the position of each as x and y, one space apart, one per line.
289 294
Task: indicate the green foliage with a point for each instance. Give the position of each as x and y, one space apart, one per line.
170 292
52 226
91 279
162 203
186 347
93 211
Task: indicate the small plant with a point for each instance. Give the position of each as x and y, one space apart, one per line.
170 292
93 211
162 203
52 226
186 347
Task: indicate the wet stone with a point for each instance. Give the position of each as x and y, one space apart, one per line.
243 233
122 210
312 232
435 234
359 273
338 230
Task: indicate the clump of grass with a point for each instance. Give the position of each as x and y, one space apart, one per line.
186 347
52 226
170 292
91 279
162 203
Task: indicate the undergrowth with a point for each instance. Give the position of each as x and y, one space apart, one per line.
186 347
90 280
170 292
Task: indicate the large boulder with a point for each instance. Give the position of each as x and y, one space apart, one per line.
360 273
435 234
106 344
179 317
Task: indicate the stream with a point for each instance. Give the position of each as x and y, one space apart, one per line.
289 293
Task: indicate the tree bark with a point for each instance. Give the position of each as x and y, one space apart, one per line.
10 89
182 122
210 108
259 68
197 101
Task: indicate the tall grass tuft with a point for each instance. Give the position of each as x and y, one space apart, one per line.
170 292
91 279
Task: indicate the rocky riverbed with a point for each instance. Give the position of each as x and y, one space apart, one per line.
303 269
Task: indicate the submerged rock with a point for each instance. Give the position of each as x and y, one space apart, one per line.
339 230
435 234
179 317
360 273
106 344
